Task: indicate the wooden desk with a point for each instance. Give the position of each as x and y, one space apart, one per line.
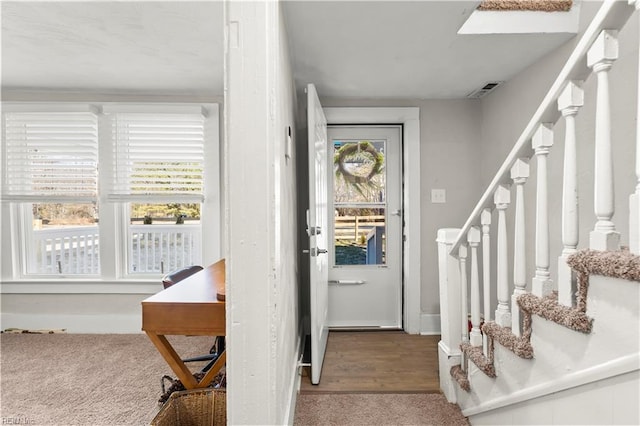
189 307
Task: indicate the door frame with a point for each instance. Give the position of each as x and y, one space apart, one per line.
409 118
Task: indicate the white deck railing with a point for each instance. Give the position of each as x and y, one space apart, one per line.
163 248
595 53
67 250
152 249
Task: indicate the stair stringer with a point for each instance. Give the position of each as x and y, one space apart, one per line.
564 359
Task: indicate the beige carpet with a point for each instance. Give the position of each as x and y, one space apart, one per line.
531 5
376 409
75 379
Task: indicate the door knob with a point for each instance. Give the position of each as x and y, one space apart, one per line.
320 251
396 212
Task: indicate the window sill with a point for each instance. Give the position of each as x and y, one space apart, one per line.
81 286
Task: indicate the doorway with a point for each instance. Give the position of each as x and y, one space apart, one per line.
409 118
365 226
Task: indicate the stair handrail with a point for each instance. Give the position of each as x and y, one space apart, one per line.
612 15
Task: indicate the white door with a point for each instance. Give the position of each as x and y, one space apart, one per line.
365 233
317 231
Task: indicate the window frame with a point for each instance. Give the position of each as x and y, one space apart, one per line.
114 277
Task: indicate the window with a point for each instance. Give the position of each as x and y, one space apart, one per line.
51 171
112 191
159 170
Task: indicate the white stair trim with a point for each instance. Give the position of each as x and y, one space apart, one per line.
602 371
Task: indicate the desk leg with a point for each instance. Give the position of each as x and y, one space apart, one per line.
213 370
174 361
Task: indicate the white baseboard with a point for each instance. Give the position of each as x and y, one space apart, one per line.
90 324
291 410
290 413
429 324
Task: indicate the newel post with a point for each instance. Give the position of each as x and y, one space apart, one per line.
502 199
519 175
600 57
542 142
449 280
569 103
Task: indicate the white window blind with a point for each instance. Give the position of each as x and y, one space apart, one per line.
158 157
50 155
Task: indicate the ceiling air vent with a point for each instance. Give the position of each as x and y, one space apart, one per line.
488 87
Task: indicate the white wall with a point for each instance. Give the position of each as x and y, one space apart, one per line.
286 236
261 229
76 313
450 146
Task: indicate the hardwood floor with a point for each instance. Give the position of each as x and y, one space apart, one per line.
377 361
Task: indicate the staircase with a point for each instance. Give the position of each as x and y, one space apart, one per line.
552 344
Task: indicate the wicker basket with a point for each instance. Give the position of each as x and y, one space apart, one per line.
196 407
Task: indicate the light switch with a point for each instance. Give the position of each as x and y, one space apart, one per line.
438 196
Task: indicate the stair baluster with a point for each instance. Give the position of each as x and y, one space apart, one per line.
542 142
485 220
569 103
519 175
600 57
462 253
502 199
473 238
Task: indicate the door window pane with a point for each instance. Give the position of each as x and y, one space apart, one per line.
359 236
359 168
359 200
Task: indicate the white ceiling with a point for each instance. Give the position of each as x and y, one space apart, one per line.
147 47
361 49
